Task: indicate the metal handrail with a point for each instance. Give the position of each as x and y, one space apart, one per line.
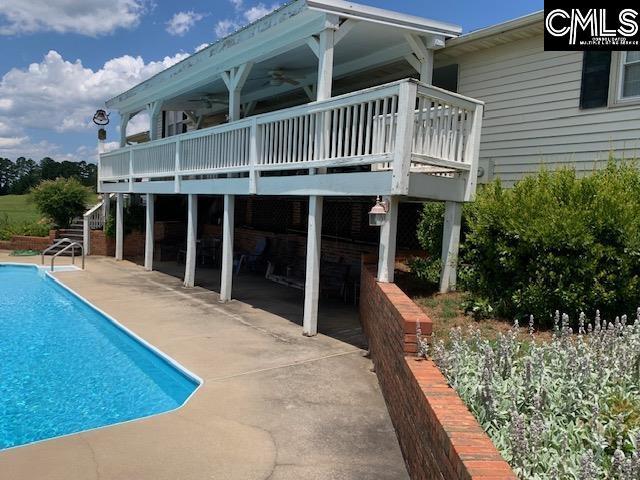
73 253
62 240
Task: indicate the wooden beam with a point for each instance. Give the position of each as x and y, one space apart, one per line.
226 276
148 233
314 45
119 225
387 248
424 56
450 245
345 27
312 281
192 233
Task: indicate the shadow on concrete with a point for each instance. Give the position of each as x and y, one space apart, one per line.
336 319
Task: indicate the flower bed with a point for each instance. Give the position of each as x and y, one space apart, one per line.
568 408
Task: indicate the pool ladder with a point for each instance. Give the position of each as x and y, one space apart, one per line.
71 244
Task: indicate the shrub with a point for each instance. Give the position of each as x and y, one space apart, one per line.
564 409
554 241
8 229
61 200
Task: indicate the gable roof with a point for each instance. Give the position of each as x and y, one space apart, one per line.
269 36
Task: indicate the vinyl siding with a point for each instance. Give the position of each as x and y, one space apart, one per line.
532 114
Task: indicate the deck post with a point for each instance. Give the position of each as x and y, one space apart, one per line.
450 245
312 280
387 249
124 121
148 236
226 275
192 232
154 109
119 225
235 79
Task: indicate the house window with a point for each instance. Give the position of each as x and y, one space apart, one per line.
174 123
630 75
594 88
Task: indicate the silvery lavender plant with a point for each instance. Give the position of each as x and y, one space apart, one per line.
555 408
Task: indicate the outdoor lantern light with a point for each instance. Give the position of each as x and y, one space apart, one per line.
101 117
378 214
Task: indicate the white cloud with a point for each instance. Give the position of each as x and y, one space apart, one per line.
225 27
86 17
201 47
58 95
258 11
61 95
8 142
248 15
182 22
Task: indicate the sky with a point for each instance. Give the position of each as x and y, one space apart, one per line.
61 59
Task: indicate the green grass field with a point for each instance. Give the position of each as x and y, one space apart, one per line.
18 208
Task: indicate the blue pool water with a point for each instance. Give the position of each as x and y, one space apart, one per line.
65 367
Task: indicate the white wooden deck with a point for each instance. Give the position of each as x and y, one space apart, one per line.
418 140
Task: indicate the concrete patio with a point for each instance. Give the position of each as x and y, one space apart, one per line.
274 405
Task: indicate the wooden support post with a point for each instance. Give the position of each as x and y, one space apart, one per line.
422 59
387 249
154 109
226 279
450 245
119 225
312 281
235 79
192 233
148 236
124 121
325 64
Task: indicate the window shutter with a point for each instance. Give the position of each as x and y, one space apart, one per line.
594 89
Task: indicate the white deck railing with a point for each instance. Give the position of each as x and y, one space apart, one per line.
399 126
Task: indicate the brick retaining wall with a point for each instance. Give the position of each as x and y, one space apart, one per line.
133 246
26 242
439 437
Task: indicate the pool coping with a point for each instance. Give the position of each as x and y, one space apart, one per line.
163 356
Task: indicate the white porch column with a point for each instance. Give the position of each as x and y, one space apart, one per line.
226 278
124 121
235 79
325 64
119 225
387 249
312 281
154 109
422 57
450 245
192 232
148 236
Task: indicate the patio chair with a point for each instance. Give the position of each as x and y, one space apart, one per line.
251 259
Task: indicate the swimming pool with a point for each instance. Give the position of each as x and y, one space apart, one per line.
66 367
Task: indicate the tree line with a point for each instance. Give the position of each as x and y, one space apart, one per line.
17 178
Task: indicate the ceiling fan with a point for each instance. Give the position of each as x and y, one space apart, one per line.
209 100
280 76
